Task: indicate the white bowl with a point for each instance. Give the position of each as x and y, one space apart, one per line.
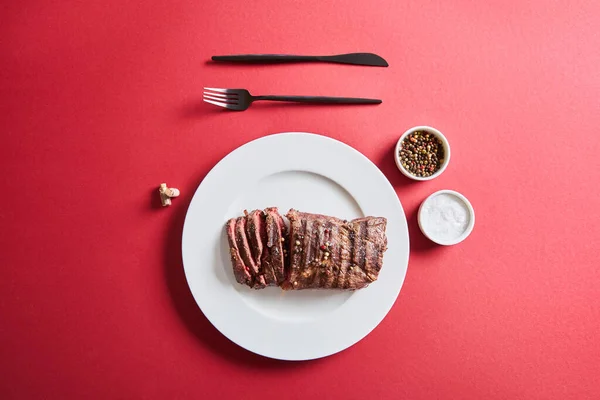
432 131
436 235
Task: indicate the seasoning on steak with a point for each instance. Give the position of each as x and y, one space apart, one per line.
327 252
256 231
276 234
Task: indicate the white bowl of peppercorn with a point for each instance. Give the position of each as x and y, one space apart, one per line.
422 153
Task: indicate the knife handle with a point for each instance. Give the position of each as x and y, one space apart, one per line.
274 58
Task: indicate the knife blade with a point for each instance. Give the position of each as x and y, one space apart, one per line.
368 59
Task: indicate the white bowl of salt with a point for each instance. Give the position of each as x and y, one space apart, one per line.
446 217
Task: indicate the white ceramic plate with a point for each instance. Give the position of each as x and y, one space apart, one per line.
310 173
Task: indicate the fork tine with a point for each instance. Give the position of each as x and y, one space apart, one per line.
217 90
220 99
225 105
225 96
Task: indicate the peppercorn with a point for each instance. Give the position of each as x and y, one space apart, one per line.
421 154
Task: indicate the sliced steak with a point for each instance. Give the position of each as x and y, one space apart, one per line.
326 252
240 271
243 246
275 254
257 239
322 252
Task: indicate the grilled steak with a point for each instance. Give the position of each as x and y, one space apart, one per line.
321 252
326 252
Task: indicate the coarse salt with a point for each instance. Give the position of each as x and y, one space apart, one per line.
446 217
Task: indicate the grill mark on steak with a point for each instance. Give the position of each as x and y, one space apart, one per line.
305 273
327 276
336 237
369 250
318 254
244 249
352 260
240 271
362 278
359 256
364 234
324 267
345 239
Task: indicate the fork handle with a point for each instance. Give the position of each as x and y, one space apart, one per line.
264 58
319 99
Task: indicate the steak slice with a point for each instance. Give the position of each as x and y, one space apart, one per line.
327 252
240 271
258 281
257 239
275 255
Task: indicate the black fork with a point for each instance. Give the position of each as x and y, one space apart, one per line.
241 99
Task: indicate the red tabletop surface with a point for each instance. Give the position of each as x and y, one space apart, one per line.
101 101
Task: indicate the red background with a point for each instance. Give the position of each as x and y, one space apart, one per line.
101 101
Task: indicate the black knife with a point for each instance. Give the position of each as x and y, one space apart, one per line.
369 59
